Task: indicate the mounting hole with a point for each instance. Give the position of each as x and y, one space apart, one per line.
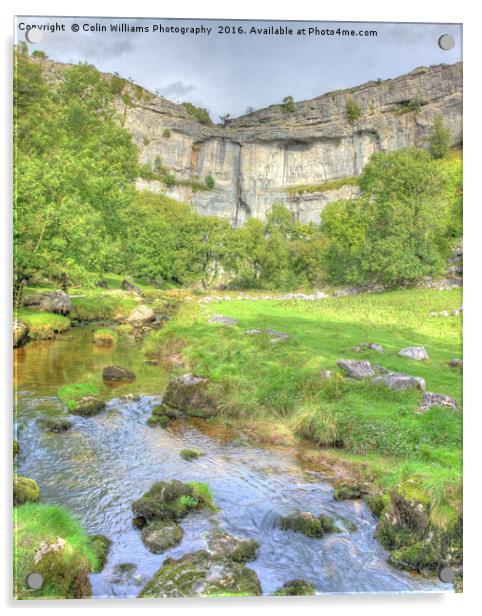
447 575
446 42
34 36
34 581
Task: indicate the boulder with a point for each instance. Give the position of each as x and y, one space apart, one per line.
141 316
189 393
430 399
117 373
217 318
456 363
20 333
326 374
416 353
128 286
52 423
308 524
53 301
160 535
356 369
217 570
399 381
368 346
100 545
348 490
25 490
88 406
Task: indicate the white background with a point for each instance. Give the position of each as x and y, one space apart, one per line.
348 10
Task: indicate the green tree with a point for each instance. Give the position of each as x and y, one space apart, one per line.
439 137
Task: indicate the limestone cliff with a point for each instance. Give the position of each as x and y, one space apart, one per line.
273 155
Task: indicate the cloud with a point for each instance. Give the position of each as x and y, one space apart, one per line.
175 89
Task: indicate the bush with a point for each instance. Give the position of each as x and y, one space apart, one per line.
439 138
199 113
166 133
288 105
209 180
353 110
38 53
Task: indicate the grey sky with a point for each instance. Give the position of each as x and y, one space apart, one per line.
229 72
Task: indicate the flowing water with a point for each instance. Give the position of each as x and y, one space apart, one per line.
103 463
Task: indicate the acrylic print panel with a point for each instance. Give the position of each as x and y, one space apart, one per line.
237 287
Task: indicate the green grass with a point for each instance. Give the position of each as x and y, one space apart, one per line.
35 524
256 380
324 186
101 305
71 394
105 336
42 325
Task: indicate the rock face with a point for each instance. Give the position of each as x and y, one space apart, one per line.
55 301
265 157
273 156
161 535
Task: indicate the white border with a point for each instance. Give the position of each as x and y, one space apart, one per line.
349 10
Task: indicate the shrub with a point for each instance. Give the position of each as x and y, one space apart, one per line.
353 110
166 133
117 84
209 180
169 180
199 113
439 137
288 105
38 53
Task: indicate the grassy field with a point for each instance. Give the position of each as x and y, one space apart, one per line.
261 382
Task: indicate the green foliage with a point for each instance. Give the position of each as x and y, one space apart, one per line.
38 53
67 569
117 84
209 180
400 228
414 104
325 186
190 454
199 113
439 137
353 110
105 336
71 394
288 105
74 173
97 305
166 133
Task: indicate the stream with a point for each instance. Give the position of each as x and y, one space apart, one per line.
103 463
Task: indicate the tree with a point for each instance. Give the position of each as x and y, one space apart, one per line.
398 230
439 137
224 118
288 104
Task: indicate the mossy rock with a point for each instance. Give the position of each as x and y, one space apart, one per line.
89 406
16 448
295 588
308 524
345 490
100 546
222 546
160 535
197 574
191 454
190 394
25 490
376 503
173 500
163 409
105 337
54 423
71 394
124 329
417 557
158 420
